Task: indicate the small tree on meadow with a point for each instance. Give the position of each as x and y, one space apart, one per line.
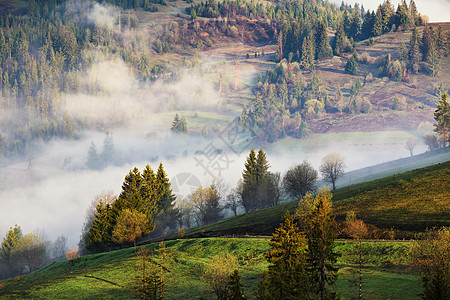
235 291
320 234
149 283
29 253
217 273
357 229
71 254
332 168
286 277
10 241
351 66
206 206
233 202
431 258
442 118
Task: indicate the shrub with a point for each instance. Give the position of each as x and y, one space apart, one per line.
351 66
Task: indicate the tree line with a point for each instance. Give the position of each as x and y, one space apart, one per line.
45 48
23 253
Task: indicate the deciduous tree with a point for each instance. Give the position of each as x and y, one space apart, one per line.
300 180
217 273
131 225
29 253
332 168
206 207
431 257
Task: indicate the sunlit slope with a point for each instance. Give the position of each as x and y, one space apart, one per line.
411 201
111 275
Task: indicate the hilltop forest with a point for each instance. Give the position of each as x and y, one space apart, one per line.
47 47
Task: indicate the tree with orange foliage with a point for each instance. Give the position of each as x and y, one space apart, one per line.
71 254
357 229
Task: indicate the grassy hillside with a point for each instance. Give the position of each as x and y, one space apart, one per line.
111 275
411 201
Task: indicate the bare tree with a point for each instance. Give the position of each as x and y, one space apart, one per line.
233 202
332 168
432 141
411 143
59 247
185 211
300 180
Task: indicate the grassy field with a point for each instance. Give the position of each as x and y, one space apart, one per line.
111 275
408 202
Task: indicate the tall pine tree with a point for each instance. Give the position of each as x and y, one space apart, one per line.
321 233
287 276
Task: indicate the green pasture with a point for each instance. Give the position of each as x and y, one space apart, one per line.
111 275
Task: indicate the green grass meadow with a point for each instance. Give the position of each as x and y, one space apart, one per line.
111 275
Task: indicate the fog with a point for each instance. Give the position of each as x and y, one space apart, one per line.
51 189
91 12
55 200
436 10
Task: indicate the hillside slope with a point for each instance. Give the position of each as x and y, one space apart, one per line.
112 275
411 201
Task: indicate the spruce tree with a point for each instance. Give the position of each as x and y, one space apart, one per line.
249 167
427 43
100 232
415 56
166 210
249 184
442 118
367 25
9 242
149 190
235 291
131 196
351 66
261 166
321 233
377 28
322 46
308 51
387 12
179 124
355 24
401 18
339 39
93 161
287 276
254 180
108 149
